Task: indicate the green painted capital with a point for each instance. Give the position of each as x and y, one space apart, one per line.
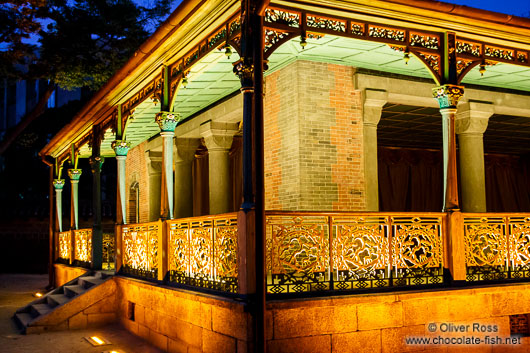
58 184
448 95
120 147
74 174
167 121
96 163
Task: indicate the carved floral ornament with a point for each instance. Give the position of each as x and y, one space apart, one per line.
58 184
167 121
448 95
74 174
121 147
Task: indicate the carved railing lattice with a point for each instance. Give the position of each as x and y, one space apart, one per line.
83 245
203 252
497 247
314 252
141 249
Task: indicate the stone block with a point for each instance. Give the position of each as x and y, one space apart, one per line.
315 320
143 331
357 342
213 342
192 311
469 307
393 339
176 346
379 315
94 320
158 340
151 319
313 344
78 321
421 311
107 305
139 314
244 347
231 321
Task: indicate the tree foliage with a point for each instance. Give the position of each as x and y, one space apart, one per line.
81 42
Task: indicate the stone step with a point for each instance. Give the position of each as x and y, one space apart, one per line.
72 291
57 299
40 309
23 319
89 281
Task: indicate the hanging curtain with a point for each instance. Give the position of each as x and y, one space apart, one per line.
409 180
507 183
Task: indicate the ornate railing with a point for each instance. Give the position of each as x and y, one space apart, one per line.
82 246
65 245
315 252
141 251
108 251
203 252
497 246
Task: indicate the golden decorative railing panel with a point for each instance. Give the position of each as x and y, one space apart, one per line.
65 245
203 252
497 246
141 249
83 245
346 251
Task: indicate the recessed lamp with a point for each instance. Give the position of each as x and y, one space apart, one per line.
97 341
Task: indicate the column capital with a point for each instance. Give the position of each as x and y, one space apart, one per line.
96 162
245 71
167 121
448 95
58 184
185 149
218 136
121 147
74 174
373 102
473 117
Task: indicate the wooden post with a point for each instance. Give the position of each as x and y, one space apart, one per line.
163 230
118 241
96 162
456 246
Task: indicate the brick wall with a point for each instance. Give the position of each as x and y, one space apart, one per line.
136 171
313 139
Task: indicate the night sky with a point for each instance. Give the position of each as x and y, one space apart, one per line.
510 7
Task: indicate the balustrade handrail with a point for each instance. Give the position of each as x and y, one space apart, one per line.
141 249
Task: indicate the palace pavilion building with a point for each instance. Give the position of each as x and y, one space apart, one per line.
303 176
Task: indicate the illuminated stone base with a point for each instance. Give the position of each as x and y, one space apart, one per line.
177 320
64 273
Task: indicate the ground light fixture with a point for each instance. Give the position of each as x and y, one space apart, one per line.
37 295
97 341
114 351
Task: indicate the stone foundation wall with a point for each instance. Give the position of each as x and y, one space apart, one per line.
382 322
177 320
182 321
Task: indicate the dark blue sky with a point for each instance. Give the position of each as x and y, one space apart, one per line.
510 7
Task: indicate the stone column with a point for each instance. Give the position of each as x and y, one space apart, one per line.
218 139
154 170
167 122
184 156
471 123
374 100
58 185
121 147
74 175
448 97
